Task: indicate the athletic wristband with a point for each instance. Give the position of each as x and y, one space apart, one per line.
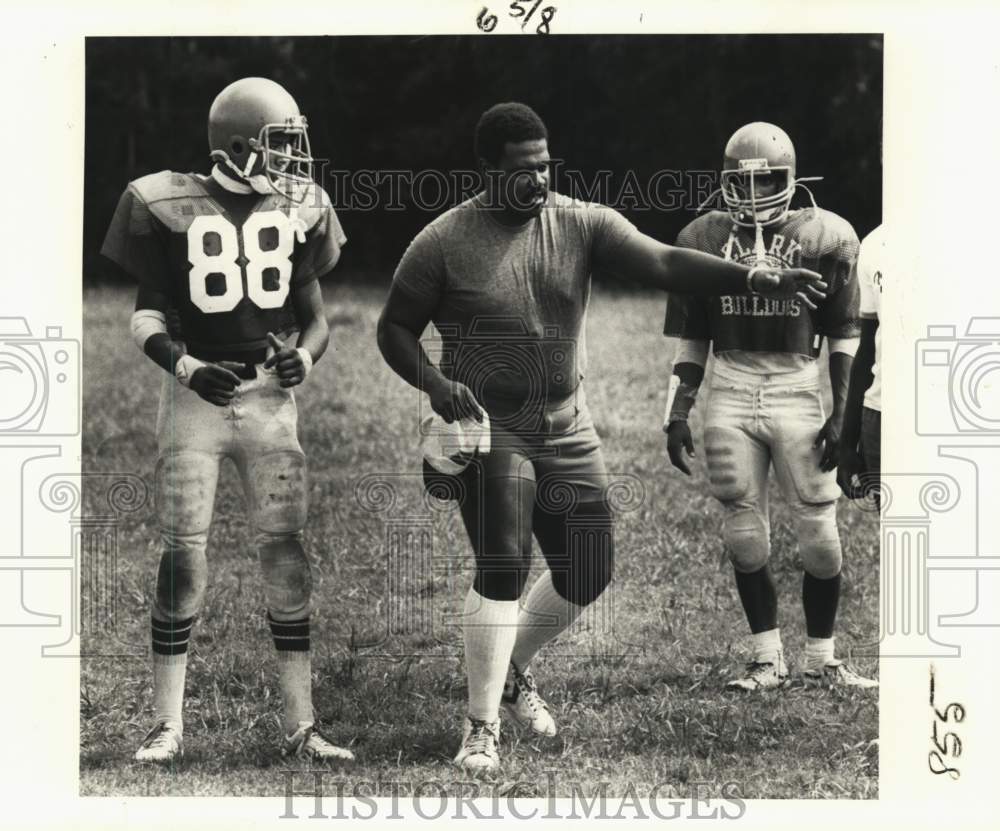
185 367
146 323
670 414
846 346
307 361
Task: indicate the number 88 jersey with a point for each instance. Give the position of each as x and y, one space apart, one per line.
227 261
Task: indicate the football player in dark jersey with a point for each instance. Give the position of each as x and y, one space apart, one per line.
238 254
766 406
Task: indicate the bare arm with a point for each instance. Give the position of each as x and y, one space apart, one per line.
840 374
402 322
688 373
830 434
650 262
860 380
213 382
314 334
314 331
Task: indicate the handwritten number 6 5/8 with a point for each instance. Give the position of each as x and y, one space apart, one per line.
487 22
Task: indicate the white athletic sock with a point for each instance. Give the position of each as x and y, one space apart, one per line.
295 680
490 628
544 615
819 651
766 645
168 688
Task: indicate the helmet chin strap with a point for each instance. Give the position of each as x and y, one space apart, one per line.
258 183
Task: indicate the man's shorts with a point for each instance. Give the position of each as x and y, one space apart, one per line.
553 444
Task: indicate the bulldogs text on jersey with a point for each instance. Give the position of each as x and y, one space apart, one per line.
815 239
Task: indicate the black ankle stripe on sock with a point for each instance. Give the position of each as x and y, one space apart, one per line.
171 637
290 635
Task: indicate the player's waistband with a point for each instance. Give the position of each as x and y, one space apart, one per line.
807 376
499 405
244 364
249 353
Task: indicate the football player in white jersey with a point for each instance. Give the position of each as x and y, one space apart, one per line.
238 254
861 443
765 405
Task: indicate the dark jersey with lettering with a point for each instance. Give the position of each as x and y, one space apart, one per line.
815 239
228 262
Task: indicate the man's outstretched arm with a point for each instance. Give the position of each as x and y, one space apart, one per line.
650 262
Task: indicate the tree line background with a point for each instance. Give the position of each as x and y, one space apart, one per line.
619 103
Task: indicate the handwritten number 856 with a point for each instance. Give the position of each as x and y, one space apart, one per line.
949 744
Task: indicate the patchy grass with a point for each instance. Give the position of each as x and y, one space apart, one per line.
636 686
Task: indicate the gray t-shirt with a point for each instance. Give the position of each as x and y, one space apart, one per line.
510 302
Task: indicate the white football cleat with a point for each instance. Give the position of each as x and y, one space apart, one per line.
162 744
836 674
478 754
308 743
523 703
762 674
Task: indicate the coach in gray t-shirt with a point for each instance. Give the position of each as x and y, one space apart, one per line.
505 277
514 296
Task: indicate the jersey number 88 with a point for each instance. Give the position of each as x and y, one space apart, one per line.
214 250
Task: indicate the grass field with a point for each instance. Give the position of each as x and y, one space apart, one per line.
637 688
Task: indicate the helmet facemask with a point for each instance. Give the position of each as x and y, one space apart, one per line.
739 191
288 161
279 159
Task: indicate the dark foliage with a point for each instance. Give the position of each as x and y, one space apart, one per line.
635 103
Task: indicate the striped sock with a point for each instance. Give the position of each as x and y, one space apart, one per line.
291 641
170 645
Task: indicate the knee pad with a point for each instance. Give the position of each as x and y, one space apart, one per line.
180 581
185 498
746 532
727 458
579 548
819 541
287 575
277 492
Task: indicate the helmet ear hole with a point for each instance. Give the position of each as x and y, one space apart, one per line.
237 146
